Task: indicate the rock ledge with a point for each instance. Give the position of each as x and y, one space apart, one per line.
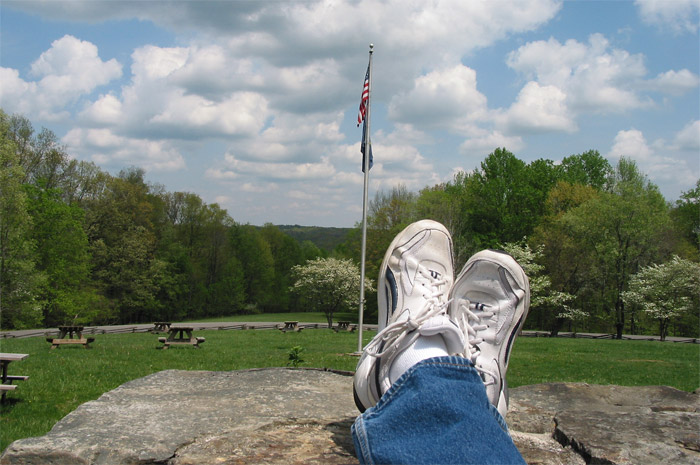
283 416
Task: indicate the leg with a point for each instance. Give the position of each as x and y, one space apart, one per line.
437 412
431 383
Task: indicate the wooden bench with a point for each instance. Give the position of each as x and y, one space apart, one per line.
55 342
5 379
290 326
70 335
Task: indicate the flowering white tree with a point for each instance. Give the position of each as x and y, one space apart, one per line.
328 285
541 293
665 291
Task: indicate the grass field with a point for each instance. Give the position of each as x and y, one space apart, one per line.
64 378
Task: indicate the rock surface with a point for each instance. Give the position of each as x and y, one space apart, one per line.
287 416
612 424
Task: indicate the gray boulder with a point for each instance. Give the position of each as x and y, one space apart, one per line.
286 416
611 424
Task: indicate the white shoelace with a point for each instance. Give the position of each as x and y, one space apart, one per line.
471 318
394 334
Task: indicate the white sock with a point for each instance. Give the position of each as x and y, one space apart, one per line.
424 347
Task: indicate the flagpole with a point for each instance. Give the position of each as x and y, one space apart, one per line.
364 199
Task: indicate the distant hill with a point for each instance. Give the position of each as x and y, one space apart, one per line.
323 238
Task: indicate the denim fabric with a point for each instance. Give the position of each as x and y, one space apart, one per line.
435 413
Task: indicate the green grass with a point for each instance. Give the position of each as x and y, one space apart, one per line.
625 363
66 377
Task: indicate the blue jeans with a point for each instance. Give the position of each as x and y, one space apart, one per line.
437 412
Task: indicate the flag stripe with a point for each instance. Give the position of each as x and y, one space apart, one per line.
364 99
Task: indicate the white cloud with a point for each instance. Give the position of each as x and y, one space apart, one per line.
594 77
411 35
675 82
105 147
211 70
73 66
291 139
70 69
106 110
539 109
301 195
630 144
241 113
441 98
483 142
688 138
271 84
14 92
259 187
220 174
661 162
680 16
281 171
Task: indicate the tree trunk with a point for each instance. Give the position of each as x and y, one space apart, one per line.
620 317
556 327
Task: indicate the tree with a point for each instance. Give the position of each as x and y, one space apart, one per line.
20 280
286 252
544 300
566 262
122 245
687 220
617 232
437 204
389 213
588 169
503 200
43 159
541 176
255 256
328 285
392 209
666 291
497 214
62 255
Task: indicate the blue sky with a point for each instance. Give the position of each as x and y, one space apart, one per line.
252 104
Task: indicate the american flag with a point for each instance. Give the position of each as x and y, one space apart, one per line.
363 100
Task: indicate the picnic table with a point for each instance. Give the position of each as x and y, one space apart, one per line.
5 360
344 326
69 335
161 326
180 335
290 326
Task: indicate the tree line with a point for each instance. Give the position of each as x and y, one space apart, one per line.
80 245
582 228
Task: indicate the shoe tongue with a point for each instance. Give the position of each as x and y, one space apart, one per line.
441 324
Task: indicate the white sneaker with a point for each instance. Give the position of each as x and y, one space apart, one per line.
414 280
489 302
